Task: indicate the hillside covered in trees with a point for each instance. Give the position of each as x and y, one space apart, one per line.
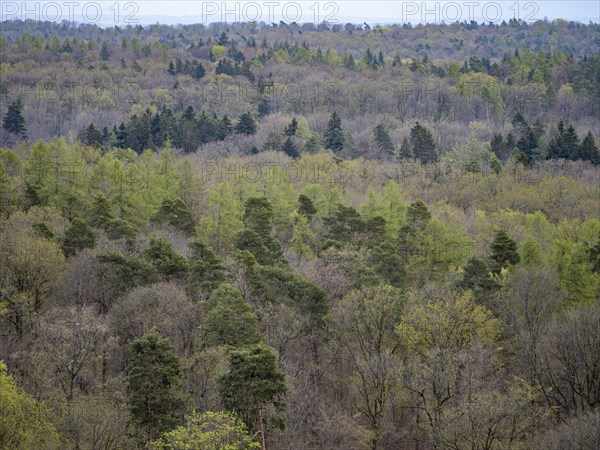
295 236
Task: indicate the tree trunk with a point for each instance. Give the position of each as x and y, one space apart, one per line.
261 429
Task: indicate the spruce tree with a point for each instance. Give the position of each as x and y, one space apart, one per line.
571 143
383 140
289 148
588 150
92 136
555 148
14 122
405 149
422 144
246 124
334 135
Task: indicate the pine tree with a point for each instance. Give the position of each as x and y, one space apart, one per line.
14 122
251 385
171 69
334 135
383 140
122 136
504 251
555 148
229 319
528 146
588 150
418 215
105 51
199 72
478 279
291 129
571 143
206 270
153 375
246 124
92 136
422 144
176 213
306 206
78 236
405 149
289 148
168 263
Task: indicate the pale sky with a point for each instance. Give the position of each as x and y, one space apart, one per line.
113 12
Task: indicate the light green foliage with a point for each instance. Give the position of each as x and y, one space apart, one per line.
486 87
446 320
31 264
530 253
24 423
207 431
223 217
303 238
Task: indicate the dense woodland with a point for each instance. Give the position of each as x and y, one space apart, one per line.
284 236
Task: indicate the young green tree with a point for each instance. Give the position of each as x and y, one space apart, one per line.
504 251
252 385
153 376
13 121
334 135
24 423
207 431
78 236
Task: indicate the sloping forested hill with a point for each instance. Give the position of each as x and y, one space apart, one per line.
299 237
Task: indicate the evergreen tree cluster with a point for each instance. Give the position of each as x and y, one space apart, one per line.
226 67
193 68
